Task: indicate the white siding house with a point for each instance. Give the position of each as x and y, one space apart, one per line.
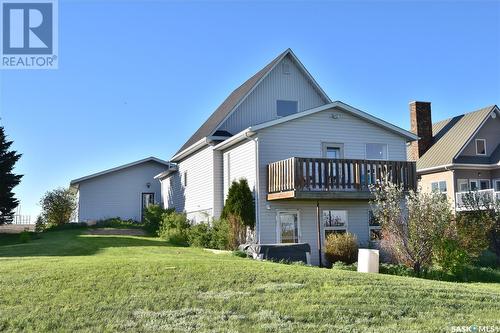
281 119
119 192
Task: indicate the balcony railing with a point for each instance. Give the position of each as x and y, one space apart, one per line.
481 199
299 177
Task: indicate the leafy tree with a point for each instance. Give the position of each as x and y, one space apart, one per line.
8 180
412 223
58 206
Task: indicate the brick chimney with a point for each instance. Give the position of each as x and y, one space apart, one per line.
421 125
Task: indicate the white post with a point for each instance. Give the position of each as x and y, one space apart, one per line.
368 261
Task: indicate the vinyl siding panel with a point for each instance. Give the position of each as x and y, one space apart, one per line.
239 163
260 105
197 198
303 137
118 194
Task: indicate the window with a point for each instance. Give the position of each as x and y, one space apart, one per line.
185 178
463 185
288 227
332 150
375 230
376 151
439 186
480 147
334 221
286 108
484 184
497 185
474 186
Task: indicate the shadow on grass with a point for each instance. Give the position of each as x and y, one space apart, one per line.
70 243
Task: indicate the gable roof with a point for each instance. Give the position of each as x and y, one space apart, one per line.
337 104
118 168
239 94
451 135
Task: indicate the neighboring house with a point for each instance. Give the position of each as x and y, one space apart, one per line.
457 155
308 160
122 192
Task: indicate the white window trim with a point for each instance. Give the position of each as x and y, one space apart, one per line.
278 224
378 159
477 153
325 145
324 229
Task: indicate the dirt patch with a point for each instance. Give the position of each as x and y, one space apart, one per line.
16 228
117 232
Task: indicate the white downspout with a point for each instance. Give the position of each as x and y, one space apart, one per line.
257 186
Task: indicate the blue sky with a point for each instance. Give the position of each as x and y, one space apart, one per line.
137 78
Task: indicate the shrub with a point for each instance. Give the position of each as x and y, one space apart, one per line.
40 224
341 247
67 226
473 229
411 222
25 236
118 223
174 228
239 253
220 235
342 266
58 206
153 216
200 235
488 259
240 203
450 256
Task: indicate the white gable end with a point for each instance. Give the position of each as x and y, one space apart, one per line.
260 104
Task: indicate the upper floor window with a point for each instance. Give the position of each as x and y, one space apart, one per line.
376 151
480 147
439 186
286 108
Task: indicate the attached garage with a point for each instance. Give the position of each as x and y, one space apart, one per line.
122 192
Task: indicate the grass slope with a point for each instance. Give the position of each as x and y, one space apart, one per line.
68 281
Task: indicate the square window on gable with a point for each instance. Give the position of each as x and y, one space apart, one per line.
286 108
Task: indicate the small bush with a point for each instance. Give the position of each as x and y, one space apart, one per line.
200 235
153 217
342 266
25 236
40 224
473 231
396 269
488 259
67 226
341 247
118 223
450 255
174 228
220 235
239 253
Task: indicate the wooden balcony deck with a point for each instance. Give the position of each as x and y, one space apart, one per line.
322 178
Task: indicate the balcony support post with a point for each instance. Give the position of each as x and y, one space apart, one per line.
318 221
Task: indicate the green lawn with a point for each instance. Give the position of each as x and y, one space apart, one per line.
68 281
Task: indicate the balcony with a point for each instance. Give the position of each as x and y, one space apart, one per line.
322 178
482 199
